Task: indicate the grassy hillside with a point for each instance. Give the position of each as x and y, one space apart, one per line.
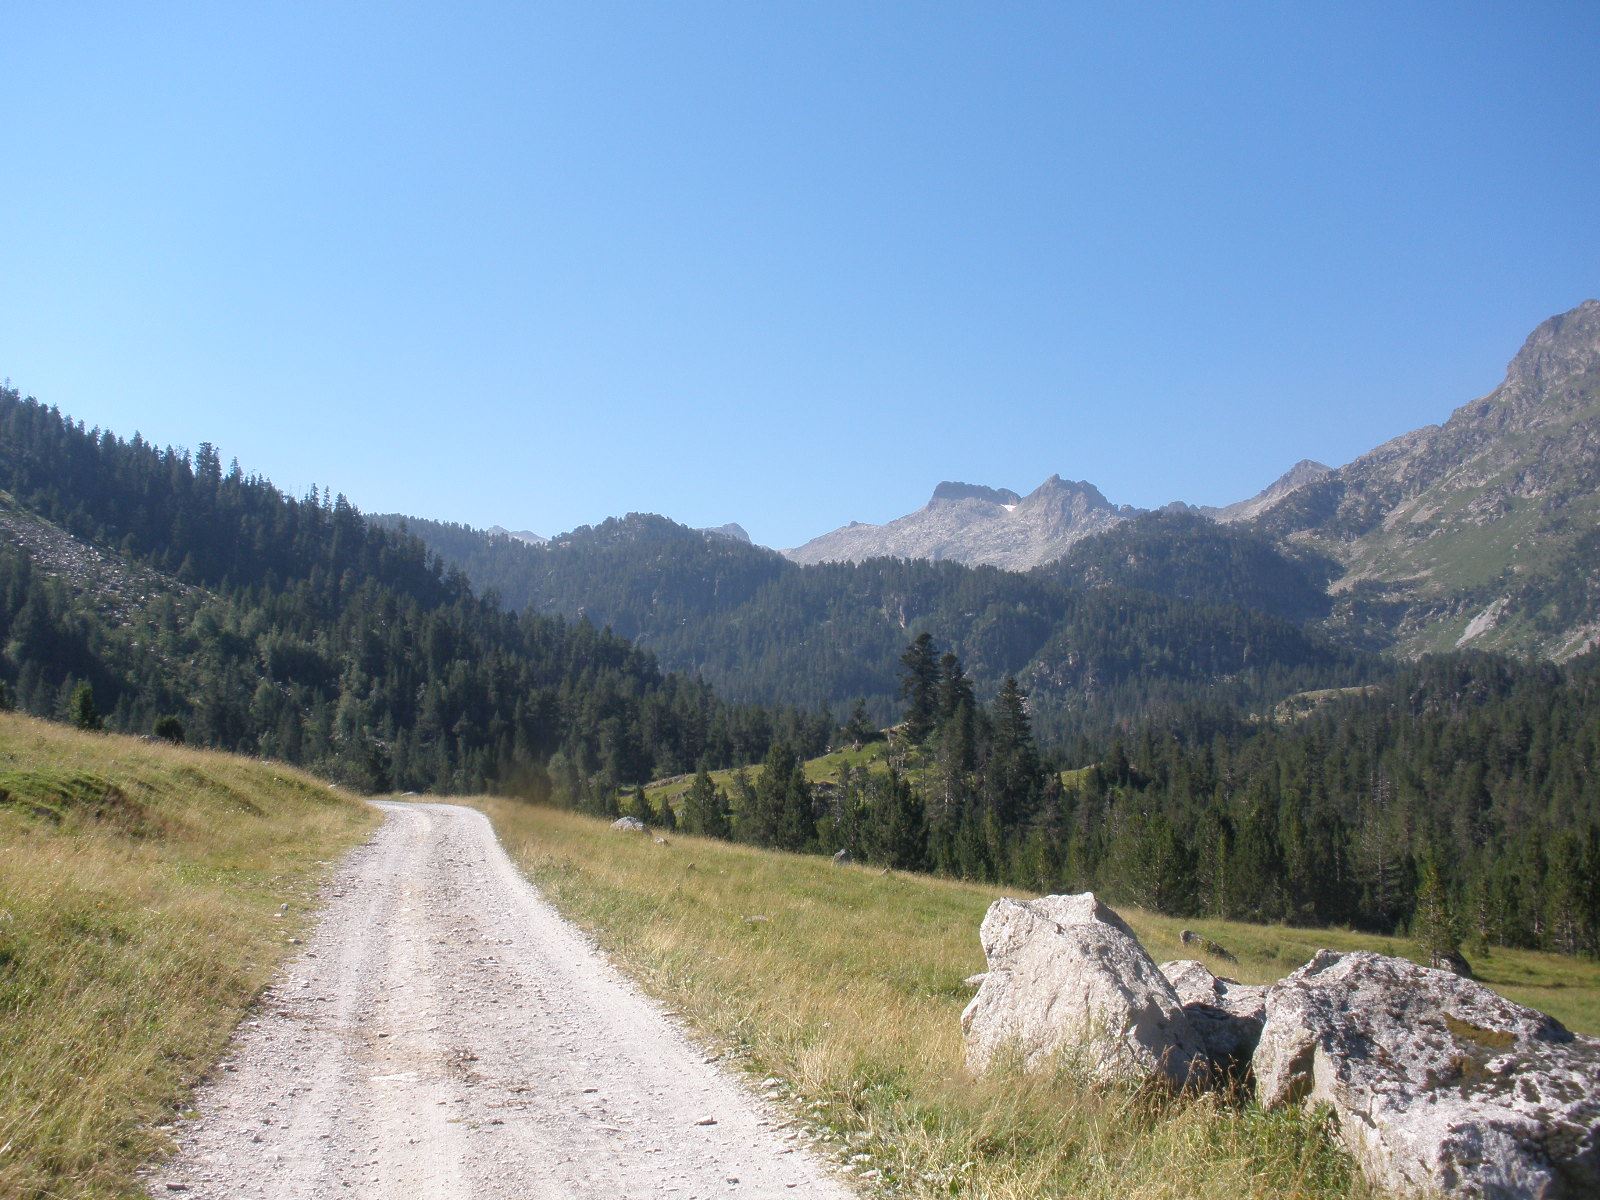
844 986
874 757
140 896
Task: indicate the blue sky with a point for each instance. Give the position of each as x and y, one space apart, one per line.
785 264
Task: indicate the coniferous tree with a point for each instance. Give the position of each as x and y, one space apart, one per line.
1013 774
955 689
919 686
82 710
859 729
896 831
705 807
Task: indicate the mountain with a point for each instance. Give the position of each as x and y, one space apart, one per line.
1481 531
978 526
986 526
730 530
520 535
1303 472
1185 556
296 629
1093 650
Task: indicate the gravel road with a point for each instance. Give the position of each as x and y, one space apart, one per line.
445 1033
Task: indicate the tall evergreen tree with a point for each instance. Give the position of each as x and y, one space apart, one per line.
705 807
919 686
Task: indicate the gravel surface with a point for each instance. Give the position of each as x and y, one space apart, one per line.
447 1034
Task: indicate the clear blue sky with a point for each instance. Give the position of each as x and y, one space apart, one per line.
785 264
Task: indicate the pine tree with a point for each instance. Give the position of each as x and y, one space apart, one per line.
955 690
82 710
1013 778
919 686
896 833
859 729
705 807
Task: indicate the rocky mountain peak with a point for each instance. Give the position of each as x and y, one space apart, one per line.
1566 345
949 490
973 523
731 530
1068 490
1303 472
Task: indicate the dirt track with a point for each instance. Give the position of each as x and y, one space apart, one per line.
446 1034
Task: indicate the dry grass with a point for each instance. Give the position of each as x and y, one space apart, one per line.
846 984
139 893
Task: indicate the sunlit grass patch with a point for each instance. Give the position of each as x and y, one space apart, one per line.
140 887
845 984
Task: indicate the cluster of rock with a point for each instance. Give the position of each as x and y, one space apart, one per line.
1436 1082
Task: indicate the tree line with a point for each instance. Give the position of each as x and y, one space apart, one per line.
1460 797
292 628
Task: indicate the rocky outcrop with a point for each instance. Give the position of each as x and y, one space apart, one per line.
1436 1084
974 524
1067 977
1435 1081
1190 938
1227 1015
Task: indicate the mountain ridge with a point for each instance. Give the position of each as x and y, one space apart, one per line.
977 525
1476 525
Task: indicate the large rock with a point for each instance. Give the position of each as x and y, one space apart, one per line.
1436 1082
1227 1015
628 825
1067 975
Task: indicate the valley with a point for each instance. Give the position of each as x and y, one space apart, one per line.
1358 711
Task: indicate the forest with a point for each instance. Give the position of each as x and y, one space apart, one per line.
292 628
1464 782
1168 610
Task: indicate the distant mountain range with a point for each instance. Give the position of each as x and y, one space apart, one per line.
526 536
987 526
1481 532
978 525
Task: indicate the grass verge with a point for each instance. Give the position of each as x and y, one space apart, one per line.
140 888
845 984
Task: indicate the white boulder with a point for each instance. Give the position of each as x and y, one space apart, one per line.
1436 1082
1067 975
